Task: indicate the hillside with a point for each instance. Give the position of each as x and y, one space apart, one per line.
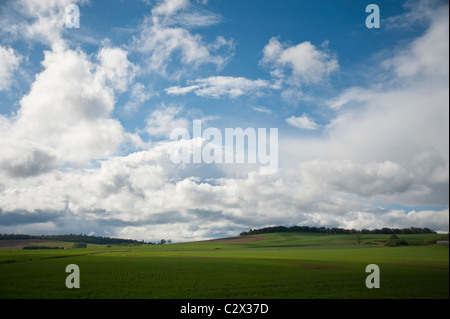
72 238
325 230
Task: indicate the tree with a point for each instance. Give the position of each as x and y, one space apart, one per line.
358 238
395 241
79 245
163 241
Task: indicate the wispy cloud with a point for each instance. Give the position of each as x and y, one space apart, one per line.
9 62
353 94
417 12
165 34
139 94
262 109
37 21
222 86
303 122
428 54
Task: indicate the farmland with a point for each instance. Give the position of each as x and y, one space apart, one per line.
272 266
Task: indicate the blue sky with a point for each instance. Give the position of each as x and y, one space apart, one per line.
86 115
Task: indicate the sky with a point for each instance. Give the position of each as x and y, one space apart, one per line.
88 115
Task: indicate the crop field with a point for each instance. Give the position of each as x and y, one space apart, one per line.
269 266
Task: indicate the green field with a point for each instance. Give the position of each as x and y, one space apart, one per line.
276 266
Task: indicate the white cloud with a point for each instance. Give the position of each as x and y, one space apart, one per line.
162 121
403 122
221 86
406 116
262 109
396 124
417 12
145 197
437 220
23 159
303 122
138 95
36 20
166 39
390 148
115 68
370 179
162 44
353 94
428 54
194 19
9 62
143 194
293 95
66 116
169 7
183 13
308 65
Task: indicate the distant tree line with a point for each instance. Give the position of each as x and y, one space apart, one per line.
324 230
41 247
75 238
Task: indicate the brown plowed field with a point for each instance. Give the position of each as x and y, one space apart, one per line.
19 243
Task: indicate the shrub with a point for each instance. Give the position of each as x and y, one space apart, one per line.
430 241
395 241
79 245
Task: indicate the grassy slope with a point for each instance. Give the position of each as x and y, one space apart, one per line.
285 265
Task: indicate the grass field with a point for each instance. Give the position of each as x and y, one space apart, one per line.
269 266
